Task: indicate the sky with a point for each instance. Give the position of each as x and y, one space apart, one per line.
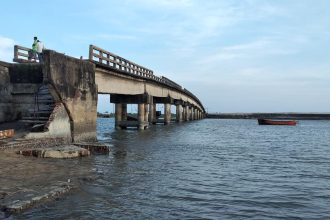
234 55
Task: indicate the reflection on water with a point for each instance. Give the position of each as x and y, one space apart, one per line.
208 169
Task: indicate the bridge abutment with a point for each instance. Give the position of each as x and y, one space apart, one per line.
73 83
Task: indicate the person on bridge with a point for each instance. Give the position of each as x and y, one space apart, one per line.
40 48
33 55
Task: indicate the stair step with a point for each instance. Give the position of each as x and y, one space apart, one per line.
44 95
41 111
42 108
33 121
43 89
45 101
35 118
38 128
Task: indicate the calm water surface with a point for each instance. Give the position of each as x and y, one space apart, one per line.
208 169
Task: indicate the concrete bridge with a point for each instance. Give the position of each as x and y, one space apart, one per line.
58 98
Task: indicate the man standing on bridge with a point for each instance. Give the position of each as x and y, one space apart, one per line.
33 55
40 48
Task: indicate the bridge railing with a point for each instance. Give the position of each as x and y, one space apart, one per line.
101 56
22 54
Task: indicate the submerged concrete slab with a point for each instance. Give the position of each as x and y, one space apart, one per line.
24 200
62 152
28 182
94 148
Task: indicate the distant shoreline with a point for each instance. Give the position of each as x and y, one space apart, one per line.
295 116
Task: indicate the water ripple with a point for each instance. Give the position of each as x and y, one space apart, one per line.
209 169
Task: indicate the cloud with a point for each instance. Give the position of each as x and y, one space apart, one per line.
6 49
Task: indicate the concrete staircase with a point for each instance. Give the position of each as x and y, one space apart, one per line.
44 104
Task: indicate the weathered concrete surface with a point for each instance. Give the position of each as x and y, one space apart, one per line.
74 82
29 181
94 148
18 83
24 201
62 152
22 143
58 125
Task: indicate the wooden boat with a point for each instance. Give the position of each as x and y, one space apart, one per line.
276 122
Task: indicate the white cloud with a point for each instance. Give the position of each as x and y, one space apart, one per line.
6 49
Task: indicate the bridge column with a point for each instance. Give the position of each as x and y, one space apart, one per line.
167 113
146 112
187 113
141 115
151 111
154 117
123 114
179 113
183 113
190 113
118 115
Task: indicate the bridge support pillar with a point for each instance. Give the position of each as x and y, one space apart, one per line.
183 113
146 113
141 117
179 113
187 113
118 115
167 113
154 116
190 113
151 111
123 114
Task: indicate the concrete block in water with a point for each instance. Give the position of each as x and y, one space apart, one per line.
62 152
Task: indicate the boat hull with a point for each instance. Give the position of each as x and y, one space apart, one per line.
276 122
